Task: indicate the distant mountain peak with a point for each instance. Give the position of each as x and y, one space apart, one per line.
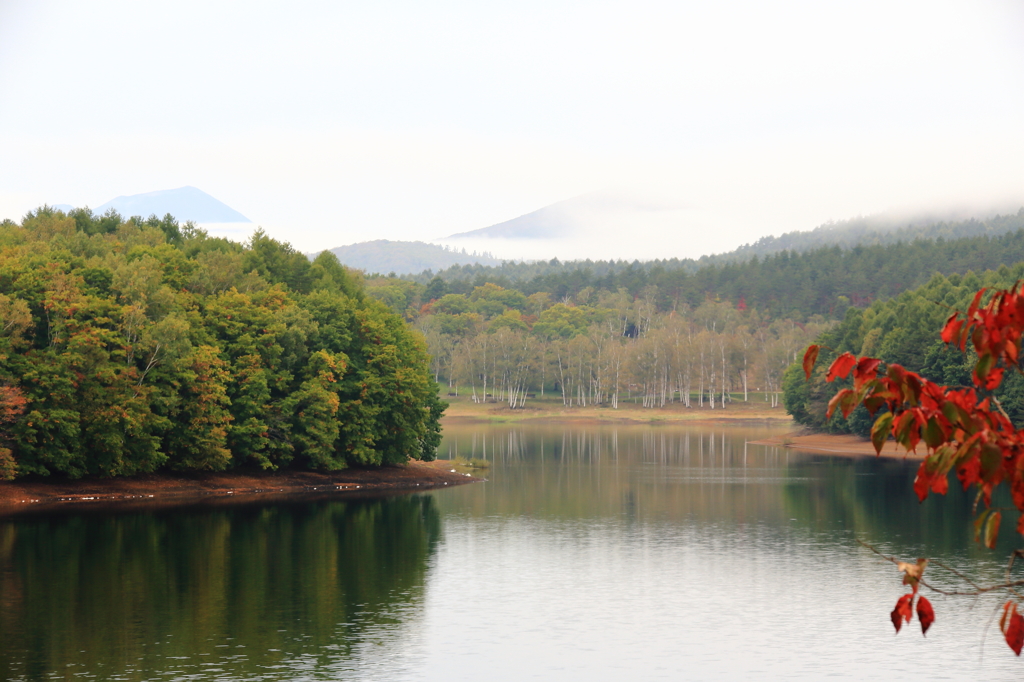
570 218
382 255
184 203
556 221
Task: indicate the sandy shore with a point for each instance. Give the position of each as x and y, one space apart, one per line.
824 443
167 489
550 410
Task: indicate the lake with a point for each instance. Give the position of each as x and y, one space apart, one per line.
591 553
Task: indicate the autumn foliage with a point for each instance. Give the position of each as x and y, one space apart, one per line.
12 406
904 610
963 429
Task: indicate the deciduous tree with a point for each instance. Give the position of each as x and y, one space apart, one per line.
964 430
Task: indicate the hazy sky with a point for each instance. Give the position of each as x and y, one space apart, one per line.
336 122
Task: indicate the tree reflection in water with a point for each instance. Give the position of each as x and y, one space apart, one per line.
243 592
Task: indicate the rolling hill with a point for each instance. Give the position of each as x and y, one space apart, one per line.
405 258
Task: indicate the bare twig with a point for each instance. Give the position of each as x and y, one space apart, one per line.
999 405
1009 567
978 589
984 633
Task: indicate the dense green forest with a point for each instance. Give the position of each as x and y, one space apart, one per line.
131 345
824 280
902 330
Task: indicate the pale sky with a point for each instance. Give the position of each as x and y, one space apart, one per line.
337 122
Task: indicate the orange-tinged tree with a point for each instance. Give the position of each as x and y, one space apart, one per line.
963 430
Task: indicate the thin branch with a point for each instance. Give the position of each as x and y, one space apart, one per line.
1000 406
984 633
978 589
1009 567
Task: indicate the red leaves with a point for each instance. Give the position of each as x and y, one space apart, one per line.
977 300
866 370
810 357
951 331
922 482
930 479
925 614
961 433
975 438
995 330
903 611
845 400
841 367
1012 625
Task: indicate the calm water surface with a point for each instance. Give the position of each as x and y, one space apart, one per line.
592 553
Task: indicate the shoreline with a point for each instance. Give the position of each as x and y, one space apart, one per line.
161 490
463 411
843 445
167 489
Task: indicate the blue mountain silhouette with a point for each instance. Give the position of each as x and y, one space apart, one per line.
184 203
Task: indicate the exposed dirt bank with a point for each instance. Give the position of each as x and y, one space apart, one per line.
462 410
163 489
851 446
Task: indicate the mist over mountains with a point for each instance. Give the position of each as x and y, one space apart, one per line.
560 226
593 225
569 226
384 256
881 229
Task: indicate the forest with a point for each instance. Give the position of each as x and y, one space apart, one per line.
602 348
822 280
135 345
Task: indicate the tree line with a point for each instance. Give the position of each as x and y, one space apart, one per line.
132 345
825 280
499 345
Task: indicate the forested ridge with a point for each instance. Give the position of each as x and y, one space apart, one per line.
822 280
131 345
600 332
877 230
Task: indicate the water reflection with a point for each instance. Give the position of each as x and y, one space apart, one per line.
694 473
592 552
640 471
689 553
239 593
